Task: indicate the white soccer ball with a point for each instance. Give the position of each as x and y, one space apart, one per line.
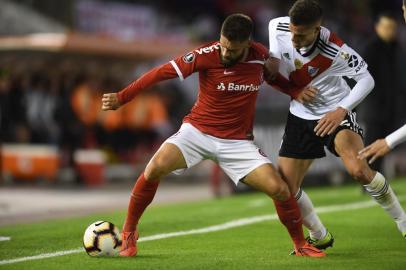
102 238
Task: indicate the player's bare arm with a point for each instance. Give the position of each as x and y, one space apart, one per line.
383 146
271 68
377 149
110 102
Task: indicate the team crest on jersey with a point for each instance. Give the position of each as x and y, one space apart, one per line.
189 58
312 70
286 55
298 64
353 61
345 55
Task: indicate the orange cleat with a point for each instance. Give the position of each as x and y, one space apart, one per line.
308 250
129 244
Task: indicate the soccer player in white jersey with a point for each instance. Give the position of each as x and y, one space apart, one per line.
309 54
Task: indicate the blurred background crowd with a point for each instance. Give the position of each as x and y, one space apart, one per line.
57 58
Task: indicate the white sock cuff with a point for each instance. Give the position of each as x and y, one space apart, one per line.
378 185
299 194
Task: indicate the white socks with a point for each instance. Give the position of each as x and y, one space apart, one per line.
310 219
382 193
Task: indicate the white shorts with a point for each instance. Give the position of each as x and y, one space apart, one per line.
237 158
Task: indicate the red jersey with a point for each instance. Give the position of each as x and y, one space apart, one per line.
225 106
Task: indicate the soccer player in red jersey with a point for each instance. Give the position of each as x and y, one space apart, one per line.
219 127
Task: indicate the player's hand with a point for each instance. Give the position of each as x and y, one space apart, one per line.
377 149
110 102
271 69
307 94
330 122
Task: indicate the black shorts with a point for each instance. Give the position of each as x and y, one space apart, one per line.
300 140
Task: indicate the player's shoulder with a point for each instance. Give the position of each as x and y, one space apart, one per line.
203 52
329 43
208 49
279 26
260 52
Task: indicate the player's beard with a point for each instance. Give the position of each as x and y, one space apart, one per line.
230 62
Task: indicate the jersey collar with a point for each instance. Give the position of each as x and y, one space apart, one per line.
312 48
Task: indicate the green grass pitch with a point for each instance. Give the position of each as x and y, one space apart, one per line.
366 238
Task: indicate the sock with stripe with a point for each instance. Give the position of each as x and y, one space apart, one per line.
310 219
383 194
141 196
289 214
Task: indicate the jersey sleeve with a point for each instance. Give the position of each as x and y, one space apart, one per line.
187 64
396 137
348 63
274 49
154 76
181 67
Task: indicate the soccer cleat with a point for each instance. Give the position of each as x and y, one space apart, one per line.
401 224
308 251
324 243
129 244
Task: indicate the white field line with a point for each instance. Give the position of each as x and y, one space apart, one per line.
5 238
215 228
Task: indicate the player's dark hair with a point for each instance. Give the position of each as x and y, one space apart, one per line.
237 27
305 12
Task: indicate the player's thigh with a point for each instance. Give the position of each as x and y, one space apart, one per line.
293 171
266 178
347 145
237 158
167 159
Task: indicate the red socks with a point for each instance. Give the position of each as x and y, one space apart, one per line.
289 214
141 196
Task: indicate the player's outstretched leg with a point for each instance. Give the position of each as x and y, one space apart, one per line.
266 179
141 196
292 171
167 159
348 144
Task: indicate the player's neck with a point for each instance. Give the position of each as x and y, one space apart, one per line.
245 55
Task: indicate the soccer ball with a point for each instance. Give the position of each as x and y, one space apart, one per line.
102 238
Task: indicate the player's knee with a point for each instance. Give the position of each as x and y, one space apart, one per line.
281 192
155 170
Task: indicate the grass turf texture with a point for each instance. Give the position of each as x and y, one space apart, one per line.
365 238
